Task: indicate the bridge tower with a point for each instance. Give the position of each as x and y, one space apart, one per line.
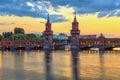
102 42
2 42
75 33
48 34
3 37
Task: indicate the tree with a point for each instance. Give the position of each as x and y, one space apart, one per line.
7 34
20 36
32 36
19 31
41 37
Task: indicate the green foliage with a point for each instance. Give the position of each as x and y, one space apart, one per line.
20 36
19 31
41 37
31 36
7 34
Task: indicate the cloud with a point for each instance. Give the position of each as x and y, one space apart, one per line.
7 23
40 8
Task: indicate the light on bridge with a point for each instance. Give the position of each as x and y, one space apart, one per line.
81 43
113 45
89 45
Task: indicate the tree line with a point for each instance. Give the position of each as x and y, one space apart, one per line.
19 34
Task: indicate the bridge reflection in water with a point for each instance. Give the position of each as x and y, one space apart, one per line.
59 65
75 65
48 65
0 65
102 71
19 67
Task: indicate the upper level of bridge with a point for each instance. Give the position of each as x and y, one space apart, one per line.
85 40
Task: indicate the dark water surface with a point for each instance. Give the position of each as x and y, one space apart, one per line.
60 65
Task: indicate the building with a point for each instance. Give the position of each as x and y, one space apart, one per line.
61 36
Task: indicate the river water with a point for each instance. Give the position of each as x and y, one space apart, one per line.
60 65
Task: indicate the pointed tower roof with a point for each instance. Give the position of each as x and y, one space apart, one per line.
48 20
75 19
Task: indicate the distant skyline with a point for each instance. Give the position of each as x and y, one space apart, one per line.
94 16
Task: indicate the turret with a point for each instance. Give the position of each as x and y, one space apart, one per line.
48 33
75 28
48 30
75 20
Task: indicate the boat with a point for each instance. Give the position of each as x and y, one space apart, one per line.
67 47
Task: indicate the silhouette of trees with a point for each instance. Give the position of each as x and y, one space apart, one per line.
41 37
7 34
19 36
31 36
19 31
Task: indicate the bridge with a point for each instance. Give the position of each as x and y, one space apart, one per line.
85 43
26 44
101 43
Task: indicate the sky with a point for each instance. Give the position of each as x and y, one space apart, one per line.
94 16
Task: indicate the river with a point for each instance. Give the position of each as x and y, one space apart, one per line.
59 65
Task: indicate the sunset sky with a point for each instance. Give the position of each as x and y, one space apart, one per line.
94 16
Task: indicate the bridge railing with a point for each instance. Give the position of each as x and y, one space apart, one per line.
22 42
83 42
100 42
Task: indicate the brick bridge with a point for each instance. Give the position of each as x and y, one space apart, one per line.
85 43
101 43
21 44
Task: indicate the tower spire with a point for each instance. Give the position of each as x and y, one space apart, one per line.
48 20
75 19
48 30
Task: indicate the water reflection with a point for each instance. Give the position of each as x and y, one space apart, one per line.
38 55
102 71
35 65
48 65
75 65
19 65
90 51
0 65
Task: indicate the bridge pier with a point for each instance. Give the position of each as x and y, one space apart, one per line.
85 48
101 48
27 48
105 48
109 48
12 48
3 48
